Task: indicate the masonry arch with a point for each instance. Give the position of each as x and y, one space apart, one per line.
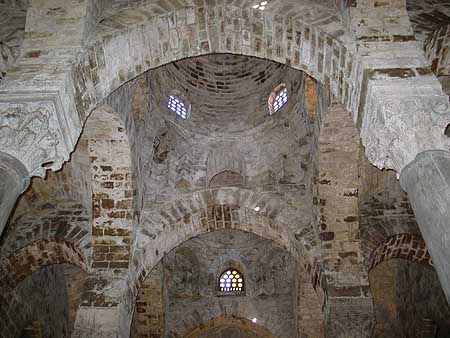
221 322
401 246
208 211
40 276
195 31
36 255
192 269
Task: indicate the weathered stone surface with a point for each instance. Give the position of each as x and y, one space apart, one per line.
32 133
403 118
189 281
426 180
395 286
142 181
13 181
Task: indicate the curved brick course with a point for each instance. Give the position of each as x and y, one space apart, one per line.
34 256
402 246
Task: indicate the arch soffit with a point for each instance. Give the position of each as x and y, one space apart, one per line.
215 209
401 246
224 321
35 256
121 52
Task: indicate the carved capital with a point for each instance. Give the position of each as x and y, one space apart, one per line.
403 118
33 130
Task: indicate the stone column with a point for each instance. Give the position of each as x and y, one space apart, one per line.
403 129
427 182
14 179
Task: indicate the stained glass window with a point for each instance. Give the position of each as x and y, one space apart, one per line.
278 98
177 106
231 281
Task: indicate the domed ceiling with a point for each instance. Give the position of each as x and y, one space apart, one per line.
227 93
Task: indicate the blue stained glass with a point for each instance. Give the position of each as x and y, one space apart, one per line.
280 99
177 106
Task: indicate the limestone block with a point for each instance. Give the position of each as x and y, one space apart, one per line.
404 117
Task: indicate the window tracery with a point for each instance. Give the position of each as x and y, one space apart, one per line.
231 281
278 98
176 105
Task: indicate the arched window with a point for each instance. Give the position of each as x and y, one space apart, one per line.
278 98
177 105
231 281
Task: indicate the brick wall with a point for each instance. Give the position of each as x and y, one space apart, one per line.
404 246
34 257
310 320
348 306
385 210
337 184
190 295
112 200
404 294
148 320
224 327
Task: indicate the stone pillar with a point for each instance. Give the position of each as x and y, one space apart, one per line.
403 128
348 309
349 318
427 182
14 179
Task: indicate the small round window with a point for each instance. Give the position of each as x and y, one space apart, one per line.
231 281
176 105
278 98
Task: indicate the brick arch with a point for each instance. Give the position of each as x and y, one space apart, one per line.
197 222
67 222
205 211
402 246
224 321
204 220
35 256
212 209
146 43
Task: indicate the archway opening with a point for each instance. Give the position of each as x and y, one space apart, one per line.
181 293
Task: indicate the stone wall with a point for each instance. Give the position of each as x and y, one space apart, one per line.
385 210
175 170
403 246
148 319
112 199
406 296
191 295
310 317
348 306
40 297
427 17
57 207
12 26
228 331
191 277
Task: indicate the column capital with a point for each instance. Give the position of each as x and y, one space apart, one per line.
402 118
34 130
